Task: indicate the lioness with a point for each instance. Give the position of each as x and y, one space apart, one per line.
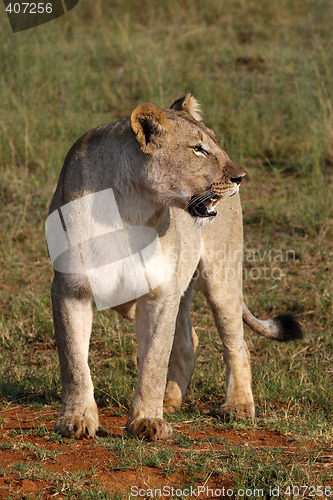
167 172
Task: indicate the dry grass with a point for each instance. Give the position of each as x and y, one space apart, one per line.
263 73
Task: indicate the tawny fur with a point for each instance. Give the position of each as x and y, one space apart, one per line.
156 161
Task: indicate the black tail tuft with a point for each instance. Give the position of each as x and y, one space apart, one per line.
288 327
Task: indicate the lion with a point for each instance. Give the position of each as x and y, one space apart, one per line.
167 172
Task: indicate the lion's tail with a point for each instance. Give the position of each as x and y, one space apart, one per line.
283 328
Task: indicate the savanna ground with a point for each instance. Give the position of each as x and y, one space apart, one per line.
263 71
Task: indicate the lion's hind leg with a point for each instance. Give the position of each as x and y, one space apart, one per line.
225 299
181 364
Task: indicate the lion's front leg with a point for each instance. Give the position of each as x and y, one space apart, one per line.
72 323
155 326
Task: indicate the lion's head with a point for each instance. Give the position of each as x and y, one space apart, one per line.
184 164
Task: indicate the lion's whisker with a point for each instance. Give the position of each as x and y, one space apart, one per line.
200 198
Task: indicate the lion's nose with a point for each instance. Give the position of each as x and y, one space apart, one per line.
236 172
237 180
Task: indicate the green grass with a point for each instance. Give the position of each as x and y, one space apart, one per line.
68 484
132 453
263 72
263 76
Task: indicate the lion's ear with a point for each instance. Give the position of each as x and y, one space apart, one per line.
149 125
190 105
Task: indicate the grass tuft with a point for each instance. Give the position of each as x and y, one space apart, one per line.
263 72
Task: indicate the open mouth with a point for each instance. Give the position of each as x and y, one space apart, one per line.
203 205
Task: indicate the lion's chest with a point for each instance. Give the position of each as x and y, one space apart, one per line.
181 247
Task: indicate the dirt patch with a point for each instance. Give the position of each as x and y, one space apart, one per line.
35 463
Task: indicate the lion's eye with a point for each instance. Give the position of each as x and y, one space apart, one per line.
199 150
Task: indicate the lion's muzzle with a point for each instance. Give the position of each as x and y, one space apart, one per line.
203 205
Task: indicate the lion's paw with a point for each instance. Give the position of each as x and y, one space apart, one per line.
76 426
152 429
236 411
171 405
